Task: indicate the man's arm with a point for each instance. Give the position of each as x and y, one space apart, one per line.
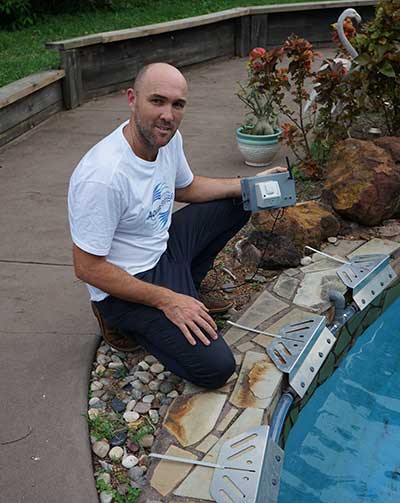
187 313
203 189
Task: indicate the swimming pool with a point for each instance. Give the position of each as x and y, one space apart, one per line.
345 444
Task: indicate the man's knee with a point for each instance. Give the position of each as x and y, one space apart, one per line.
214 372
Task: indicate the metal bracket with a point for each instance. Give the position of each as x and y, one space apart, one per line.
256 462
368 276
303 354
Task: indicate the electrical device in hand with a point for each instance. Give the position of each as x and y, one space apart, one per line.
267 192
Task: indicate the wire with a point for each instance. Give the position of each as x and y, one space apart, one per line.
279 215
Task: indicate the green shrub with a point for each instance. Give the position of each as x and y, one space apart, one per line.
16 14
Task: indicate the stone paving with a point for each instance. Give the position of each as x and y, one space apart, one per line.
198 421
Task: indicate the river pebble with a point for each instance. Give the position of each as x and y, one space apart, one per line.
116 453
130 461
101 448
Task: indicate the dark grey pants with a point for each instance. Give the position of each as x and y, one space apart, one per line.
198 233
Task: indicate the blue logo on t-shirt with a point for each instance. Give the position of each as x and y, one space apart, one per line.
160 207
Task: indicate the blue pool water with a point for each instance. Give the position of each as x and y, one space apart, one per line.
345 445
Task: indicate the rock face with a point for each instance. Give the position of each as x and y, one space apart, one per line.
307 223
363 181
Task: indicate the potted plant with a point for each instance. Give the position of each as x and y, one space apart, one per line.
262 94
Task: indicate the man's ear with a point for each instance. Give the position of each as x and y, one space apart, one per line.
131 93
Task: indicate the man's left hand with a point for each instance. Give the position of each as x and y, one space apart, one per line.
269 171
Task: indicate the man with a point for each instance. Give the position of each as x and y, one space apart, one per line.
143 266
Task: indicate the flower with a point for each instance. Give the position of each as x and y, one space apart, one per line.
264 91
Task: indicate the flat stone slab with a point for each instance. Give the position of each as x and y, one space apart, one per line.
197 484
190 419
290 317
376 245
286 286
168 474
207 443
314 287
263 308
343 248
257 383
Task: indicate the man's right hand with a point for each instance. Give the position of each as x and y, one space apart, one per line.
190 316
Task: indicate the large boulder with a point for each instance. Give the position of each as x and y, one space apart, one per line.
307 223
363 181
391 144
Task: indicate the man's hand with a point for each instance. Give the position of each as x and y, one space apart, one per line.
190 316
269 171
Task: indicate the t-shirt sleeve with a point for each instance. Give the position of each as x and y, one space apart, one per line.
94 211
184 175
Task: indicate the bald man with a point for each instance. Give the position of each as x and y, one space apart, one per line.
142 264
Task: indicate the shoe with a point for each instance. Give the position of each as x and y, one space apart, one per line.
214 303
114 337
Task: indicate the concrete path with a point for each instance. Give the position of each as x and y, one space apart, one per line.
47 333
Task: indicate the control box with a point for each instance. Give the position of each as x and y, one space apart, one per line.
266 192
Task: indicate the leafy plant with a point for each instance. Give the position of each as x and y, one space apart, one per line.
297 132
130 496
135 436
16 14
102 426
264 91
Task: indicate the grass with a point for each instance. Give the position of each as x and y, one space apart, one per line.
23 52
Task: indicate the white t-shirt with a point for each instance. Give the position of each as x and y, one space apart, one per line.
120 205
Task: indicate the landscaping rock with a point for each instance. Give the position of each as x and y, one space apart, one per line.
363 182
101 448
275 251
131 416
129 461
391 144
135 473
116 453
146 441
119 439
106 497
307 223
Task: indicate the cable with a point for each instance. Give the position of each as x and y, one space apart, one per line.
279 215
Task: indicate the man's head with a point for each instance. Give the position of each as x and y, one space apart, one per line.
157 101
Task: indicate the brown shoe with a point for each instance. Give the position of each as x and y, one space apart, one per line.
114 337
214 303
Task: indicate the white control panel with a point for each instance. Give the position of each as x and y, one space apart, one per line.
267 193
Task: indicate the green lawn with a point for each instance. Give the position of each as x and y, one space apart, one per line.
23 53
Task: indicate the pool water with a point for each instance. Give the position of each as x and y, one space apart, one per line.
345 445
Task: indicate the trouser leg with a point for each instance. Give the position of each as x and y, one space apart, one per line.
197 234
200 231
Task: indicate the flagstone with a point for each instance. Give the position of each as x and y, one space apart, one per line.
316 284
292 272
197 483
324 264
224 423
168 474
207 443
246 346
263 308
293 315
376 245
286 286
191 418
191 389
238 359
250 418
258 382
344 247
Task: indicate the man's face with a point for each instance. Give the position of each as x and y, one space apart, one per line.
157 109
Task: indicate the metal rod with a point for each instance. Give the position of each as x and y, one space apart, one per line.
249 329
185 460
329 256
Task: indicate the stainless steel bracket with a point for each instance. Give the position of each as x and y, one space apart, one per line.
255 463
302 354
367 276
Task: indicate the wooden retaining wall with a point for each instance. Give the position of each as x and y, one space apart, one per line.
98 64
104 62
27 102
